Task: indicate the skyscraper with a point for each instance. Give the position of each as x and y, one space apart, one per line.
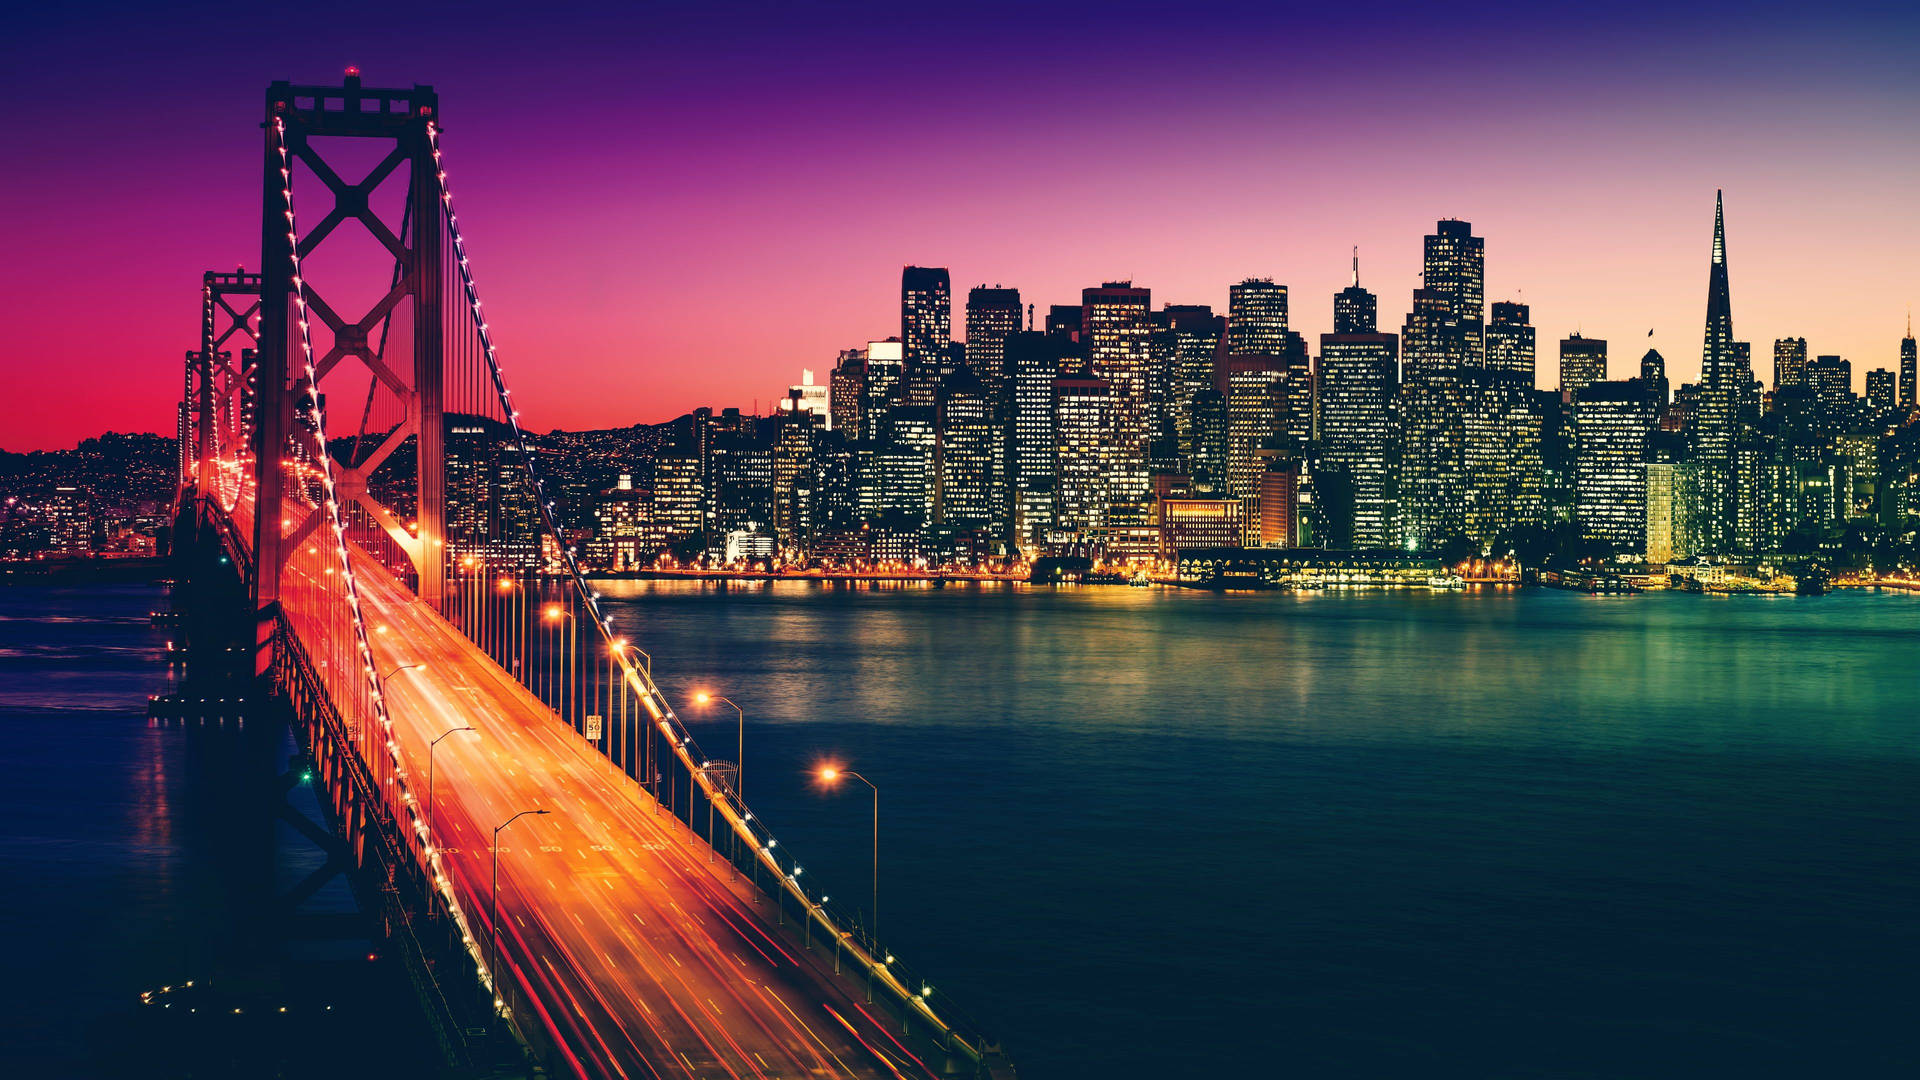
1880 390
964 453
885 387
1455 270
1653 372
993 315
1789 362
926 330
1355 310
1035 360
1116 325
1612 422
1717 414
1907 367
1510 349
1583 362
1256 318
846 391
1083 450
1354 425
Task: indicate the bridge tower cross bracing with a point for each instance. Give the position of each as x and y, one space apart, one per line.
228 304
400 119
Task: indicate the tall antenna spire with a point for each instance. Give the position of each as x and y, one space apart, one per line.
1356 277
1719 230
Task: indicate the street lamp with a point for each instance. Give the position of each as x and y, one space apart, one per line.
830 776
493 920
430 746
400 668
740 749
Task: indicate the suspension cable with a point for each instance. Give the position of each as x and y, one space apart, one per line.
334 519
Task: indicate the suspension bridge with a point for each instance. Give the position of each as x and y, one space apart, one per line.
572 871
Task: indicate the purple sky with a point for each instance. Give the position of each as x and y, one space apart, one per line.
670 208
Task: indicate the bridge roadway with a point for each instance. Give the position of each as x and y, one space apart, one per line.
640 957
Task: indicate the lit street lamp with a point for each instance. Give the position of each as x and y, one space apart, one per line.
831 775
493 920
740 749
430 747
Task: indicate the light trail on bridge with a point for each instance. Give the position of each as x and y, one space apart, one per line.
644 959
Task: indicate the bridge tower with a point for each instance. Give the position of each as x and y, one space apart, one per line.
398 122
218 388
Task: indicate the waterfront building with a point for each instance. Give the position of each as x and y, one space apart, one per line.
1583 362
1187 523
1279 502
624 533
1673 498
679 495
1116 328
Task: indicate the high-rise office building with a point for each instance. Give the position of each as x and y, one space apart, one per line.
885 387
993 315
1083 450
1256 318
1116 325
1583 362
1653 372
1880 392
1354 431
1673 497
1908 371
1035 360
1455 270
1716 414
1355 310
1510 348
1255 389
1830 378
1612 423
846 393
1196 334
963 472
926 331
1789 362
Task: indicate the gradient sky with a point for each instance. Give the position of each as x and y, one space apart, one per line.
669 207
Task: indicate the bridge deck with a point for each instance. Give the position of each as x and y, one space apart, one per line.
641 957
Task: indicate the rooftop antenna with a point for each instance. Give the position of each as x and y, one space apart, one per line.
1356 266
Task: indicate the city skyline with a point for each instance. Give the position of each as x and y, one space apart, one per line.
1588 195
